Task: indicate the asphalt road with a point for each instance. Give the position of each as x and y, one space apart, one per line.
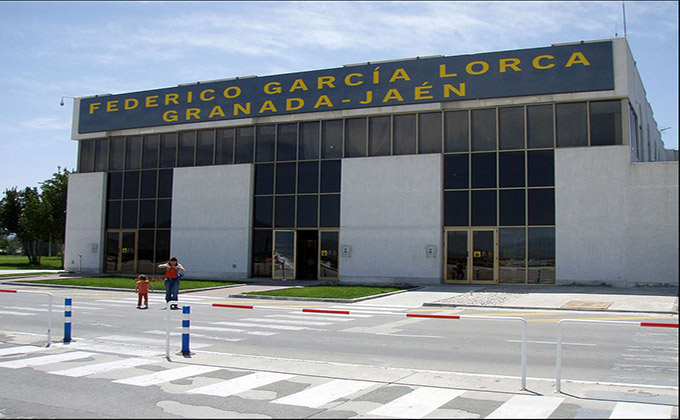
369 352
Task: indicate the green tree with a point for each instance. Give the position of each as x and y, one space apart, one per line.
53 194
34 224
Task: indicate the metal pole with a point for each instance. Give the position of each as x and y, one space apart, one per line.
67 320
167 330
185 331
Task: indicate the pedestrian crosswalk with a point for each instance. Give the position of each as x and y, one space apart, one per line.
353 398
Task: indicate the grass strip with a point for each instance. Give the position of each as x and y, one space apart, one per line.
331 292
119 282
20 262
25 274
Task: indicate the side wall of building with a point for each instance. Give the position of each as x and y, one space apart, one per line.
86 210
391 212
616 221
211 220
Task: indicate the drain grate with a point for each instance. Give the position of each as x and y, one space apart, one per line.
586 304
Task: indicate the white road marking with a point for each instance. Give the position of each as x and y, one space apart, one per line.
167 375
526 407
102 367
21 350
318 396
240 384
553 343
284 321
318 318
45 360
235 330
273 327
625 410
417 404
16 313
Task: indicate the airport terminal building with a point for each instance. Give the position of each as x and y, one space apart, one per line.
533 166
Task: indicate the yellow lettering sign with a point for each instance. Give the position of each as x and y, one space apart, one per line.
349 82
239 108
231 92
170 116
469 68
217 110
537 62
267 106
576 58
393 94
272 88
513 63
193 112
93 106
204 97
460 90
171 97
323 100
112 106
443 73
325 81
151 101
131 103
298 84
399 74
291 107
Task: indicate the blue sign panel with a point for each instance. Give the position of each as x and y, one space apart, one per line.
537 71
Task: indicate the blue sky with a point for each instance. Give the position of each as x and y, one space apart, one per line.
54 49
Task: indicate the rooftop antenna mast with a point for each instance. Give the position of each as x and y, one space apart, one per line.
623 6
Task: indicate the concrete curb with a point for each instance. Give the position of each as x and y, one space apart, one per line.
674 311
331 300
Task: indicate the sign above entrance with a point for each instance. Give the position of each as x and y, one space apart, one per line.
549 70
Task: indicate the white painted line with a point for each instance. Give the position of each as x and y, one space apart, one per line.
364 305
235 330
15 313
355 312
284 321
21 350
318 396
240 384
167 375
552 343
26 308
45 360
193 334
273 327
153 342
417 404
526 407
80 371
319 318
127 350
624 410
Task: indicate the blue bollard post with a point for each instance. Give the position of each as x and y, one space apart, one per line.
185 331
67 320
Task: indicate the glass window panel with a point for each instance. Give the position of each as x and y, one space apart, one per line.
331 139
309 140
430 133
133 152
456 255
148 184
328 263
483 129
245 143
131 184
483 208
285 211
86 158
168 150
205 148
405 134
264 179
286 143
308 177
145 240
572 128
512 255
266 143
112 248
379 136
511 127
187 148
130 214
113 215
165 183
456 171
542 255
285 178
456 131
262 253
483 170
540 126
162 247
147 213
101 155
331 176
164 213
224 146
150 148
307 211
541 206
605 123
264 210
330 211
115 185
456 208
512 207
116 153
511 169
541 168
355 137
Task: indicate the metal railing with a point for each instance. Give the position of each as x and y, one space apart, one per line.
49 316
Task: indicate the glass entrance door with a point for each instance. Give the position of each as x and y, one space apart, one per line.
283 254
121 251
471 256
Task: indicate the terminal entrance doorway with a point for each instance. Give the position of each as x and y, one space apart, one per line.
121 251
305 254
471 256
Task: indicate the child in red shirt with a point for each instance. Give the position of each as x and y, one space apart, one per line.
142 289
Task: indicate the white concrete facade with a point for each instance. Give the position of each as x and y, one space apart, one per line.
390 213
85 212
616 221
211 220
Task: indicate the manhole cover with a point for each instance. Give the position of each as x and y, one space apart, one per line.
585 304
